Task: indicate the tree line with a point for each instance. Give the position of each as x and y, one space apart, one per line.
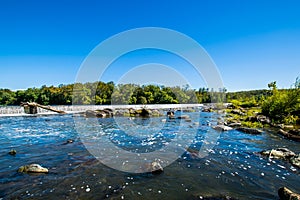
100 93
281 105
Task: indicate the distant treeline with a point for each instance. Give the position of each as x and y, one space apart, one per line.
101 93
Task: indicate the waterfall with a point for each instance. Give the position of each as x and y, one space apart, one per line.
19 111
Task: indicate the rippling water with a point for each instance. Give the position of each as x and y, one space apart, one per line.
232 167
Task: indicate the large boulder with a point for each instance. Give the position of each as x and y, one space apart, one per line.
287 194
33 168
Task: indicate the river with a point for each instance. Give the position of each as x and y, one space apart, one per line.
231 167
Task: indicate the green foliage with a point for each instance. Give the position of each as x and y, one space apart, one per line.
252 124
283 105
107 93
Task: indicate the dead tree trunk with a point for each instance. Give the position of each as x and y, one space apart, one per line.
32 108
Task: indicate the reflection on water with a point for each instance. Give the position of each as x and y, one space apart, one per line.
231 168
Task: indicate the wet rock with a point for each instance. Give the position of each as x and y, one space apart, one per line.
95 113
222 128
250 130
156 113
107 112
12 152
183 117
287 194
69 141
156 168
207 109
143 112
295 160
170 113
33 168
279 153
293 135
153 167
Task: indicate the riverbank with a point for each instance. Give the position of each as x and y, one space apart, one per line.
251 120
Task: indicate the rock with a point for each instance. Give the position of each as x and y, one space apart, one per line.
250 130
289 126
143 112
183 117
69 141
235 124
291 134
286 194
156 113
222 128
295 160
237 112
259 118
12 152
207 109
295 131
279 153
33 168
170 113
107 112
156 168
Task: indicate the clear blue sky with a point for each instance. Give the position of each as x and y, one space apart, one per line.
252 42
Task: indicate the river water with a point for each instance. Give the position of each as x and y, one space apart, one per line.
230 167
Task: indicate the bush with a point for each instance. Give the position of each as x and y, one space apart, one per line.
282 104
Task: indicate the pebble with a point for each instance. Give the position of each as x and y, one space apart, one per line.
87 189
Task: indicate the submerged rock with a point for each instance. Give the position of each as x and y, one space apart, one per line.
287 194
250 130
33 168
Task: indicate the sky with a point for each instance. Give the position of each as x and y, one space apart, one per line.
252 42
